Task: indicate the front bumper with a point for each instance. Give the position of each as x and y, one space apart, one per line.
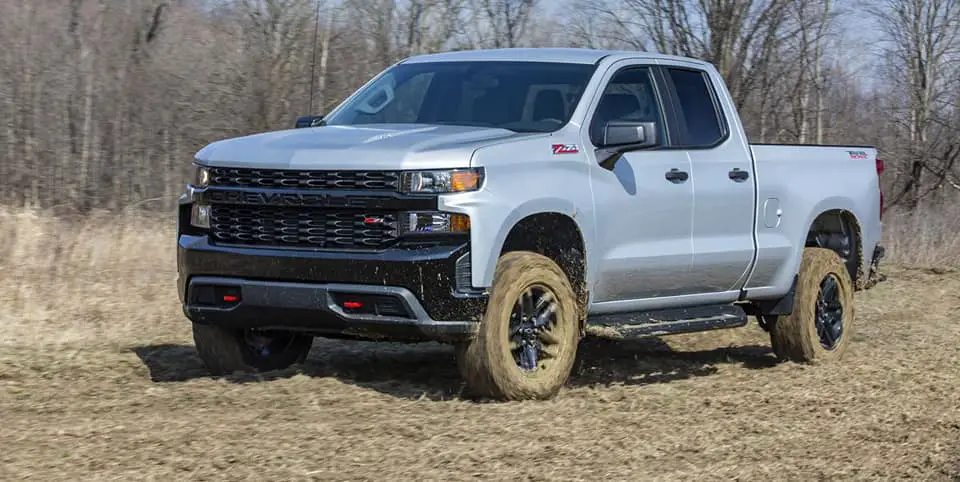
306 290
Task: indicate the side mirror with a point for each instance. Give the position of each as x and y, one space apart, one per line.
309 121
625 136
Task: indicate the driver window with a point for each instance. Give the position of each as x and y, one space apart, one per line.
629 96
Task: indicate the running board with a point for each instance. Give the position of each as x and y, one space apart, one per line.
667 322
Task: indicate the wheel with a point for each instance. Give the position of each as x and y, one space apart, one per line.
527 340
820 327
225 351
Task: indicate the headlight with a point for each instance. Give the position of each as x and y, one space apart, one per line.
432 222
445 181
201 176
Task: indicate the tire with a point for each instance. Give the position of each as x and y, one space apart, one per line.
796 337
487 364
225 351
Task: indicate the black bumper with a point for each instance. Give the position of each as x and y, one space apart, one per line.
873 274
406 294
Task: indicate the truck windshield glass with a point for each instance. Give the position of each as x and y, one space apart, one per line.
519 96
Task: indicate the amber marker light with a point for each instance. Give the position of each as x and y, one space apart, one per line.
462 181
459 223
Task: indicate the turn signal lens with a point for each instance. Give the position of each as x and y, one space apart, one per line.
465 181
459 223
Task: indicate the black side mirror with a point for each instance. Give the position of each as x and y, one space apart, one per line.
309 121
625 136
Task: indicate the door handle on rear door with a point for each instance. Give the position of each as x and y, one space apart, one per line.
676 176
737 175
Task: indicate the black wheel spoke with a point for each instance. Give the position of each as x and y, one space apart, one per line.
529 358
527 306
532 319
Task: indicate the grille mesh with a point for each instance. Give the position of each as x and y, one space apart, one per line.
302 228
279 179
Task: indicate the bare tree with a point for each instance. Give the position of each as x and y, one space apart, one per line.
732 34
105 107
501 23
922 53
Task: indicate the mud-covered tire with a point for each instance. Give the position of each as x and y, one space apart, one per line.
487 364
226 351
796 337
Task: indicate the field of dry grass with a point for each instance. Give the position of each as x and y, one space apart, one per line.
99 380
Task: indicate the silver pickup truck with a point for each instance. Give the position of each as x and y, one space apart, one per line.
506 201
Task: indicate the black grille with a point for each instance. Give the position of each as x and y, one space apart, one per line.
302 228
279 179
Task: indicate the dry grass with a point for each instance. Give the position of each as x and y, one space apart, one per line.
99 380
927 238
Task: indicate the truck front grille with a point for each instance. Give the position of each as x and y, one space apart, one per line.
285 178
295 227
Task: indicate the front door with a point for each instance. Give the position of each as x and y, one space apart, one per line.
644 206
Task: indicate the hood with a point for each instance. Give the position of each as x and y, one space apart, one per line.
394 146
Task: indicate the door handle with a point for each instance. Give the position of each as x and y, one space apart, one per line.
676 176
737 175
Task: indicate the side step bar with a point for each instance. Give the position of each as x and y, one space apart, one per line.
667 322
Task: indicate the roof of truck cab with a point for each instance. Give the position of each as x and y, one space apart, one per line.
542 54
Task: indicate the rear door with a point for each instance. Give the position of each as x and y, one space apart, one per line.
722 181
644 206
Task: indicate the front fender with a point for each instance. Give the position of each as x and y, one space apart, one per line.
490 225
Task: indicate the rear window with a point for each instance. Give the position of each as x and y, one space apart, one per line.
698 108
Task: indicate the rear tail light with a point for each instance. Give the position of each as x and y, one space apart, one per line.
879 172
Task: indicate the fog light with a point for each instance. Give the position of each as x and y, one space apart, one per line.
433 223
200 216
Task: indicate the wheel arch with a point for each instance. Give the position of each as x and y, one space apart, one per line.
839 230
834 226
559 237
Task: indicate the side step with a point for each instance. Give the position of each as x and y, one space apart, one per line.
667 322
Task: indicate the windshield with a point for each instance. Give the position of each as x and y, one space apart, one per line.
519 96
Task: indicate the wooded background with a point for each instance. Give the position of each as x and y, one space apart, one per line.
103 103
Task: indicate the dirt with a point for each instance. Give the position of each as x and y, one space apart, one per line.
710 406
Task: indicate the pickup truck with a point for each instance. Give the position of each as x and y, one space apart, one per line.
508 201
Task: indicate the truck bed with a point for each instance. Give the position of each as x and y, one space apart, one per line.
798 180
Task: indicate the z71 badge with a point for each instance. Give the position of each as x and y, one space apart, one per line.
565 149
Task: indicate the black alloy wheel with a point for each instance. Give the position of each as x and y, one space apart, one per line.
534 316
829 315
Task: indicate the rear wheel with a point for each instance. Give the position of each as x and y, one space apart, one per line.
225 351
527 341
820 327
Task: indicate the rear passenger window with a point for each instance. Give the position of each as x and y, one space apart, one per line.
698 108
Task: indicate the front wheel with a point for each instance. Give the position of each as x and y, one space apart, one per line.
527 340
821 324
225 351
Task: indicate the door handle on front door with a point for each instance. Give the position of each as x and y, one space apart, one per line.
737 175
676 176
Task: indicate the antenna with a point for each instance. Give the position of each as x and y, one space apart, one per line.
313 65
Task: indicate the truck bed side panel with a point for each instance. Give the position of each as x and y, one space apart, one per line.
798 183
